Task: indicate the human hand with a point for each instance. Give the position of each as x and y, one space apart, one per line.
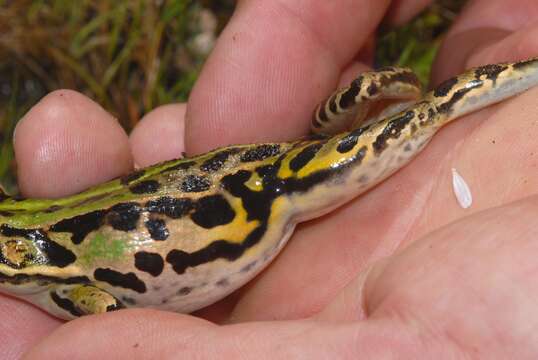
453 290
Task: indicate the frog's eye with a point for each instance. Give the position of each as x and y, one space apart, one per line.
16 253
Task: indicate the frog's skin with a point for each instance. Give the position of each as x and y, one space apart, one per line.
183 234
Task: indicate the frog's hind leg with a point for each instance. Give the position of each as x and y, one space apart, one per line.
78 300
371 96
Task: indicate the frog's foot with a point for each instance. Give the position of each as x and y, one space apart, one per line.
85 300
370 97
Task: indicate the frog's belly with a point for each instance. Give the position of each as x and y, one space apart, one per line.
205 284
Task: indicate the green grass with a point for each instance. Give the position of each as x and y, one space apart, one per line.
133 55
120 53
415 44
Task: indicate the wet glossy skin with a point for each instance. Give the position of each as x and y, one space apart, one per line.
185 233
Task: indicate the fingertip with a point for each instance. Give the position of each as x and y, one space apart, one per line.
449 63
519 45
501 32
401 11
67 143
159 136
351 72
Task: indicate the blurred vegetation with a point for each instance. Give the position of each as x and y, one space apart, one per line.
133 55
415 44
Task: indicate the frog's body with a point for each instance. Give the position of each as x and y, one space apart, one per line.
185 233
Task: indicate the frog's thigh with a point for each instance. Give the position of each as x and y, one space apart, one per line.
371 91
85 300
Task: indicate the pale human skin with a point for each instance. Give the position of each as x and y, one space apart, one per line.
402 271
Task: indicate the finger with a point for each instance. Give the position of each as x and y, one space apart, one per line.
521 44
481 24
494 151
351 72
144 334
502 14
401 11
67 143
466 284
22 326
159 136
271 65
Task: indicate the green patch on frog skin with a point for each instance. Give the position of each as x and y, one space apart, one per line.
101 248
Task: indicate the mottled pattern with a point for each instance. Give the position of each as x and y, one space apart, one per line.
348 142
444 88
124 216
184 233
80 226
145 187
169 206
157 229
116 278
447 106
335 113
149 262
195 183
212 211
260 152
129 178
220 249
303 157
490 71
65 304
392 131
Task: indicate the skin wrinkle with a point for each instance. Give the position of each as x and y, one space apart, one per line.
343 39
404 238
48 151
352 297
294 68
427 331
520 45
442 162
166 123
472 289
322 45
443 167
67 149
249 101
267 82
303 99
